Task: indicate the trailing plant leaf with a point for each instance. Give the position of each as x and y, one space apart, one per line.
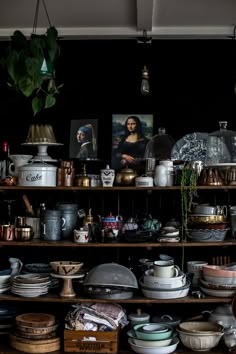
50 101
37 104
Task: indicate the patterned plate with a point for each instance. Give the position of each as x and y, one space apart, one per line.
192 147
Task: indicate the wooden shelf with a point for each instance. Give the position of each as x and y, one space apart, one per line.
55 298
66 243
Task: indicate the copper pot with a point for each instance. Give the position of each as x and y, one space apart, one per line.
24 233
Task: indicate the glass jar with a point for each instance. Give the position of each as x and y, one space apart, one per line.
221 146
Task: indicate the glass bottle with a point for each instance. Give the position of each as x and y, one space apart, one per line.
4 160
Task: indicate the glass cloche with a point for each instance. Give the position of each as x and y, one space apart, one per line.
221 146
160 146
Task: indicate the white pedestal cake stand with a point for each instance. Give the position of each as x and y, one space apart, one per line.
42 151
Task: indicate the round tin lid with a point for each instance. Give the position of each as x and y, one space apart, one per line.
37 166
139 316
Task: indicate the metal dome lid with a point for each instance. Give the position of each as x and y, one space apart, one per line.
111 274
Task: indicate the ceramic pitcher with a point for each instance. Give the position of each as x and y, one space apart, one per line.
18 160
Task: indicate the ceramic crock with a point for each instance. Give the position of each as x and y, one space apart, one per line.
37 175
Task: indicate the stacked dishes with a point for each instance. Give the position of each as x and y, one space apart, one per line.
152 338
200 336
5 282
7 318
219 281
30 285
207 224
164 287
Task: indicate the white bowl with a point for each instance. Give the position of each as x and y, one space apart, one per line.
149 343
217 292
216 280
4 278
167 283
165 293
153 350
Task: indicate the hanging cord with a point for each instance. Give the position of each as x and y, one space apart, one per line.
37 14
36 17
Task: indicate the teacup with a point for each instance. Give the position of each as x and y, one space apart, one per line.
81 236
165 269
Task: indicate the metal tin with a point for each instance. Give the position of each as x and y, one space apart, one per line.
37 175
144 181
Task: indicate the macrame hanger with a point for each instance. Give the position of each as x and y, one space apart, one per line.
37 14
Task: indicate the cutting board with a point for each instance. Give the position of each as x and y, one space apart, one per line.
35 319
34 345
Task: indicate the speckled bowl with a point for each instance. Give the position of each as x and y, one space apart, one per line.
66 267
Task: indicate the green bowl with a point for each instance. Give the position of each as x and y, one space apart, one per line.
148 335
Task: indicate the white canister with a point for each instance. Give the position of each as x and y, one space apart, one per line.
160 178
37 175
144 181
107 176
81 236
169 170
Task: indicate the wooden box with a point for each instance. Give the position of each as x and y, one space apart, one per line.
91 341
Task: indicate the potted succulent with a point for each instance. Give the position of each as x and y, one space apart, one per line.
30 65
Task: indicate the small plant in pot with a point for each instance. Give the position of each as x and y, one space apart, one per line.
30 65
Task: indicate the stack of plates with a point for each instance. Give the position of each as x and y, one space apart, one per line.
7 318
43 269
30 285
5 283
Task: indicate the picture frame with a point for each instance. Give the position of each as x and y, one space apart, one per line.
125 153
83 139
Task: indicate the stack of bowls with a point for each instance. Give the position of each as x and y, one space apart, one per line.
152 338
164 287
207 224
200 336
219 281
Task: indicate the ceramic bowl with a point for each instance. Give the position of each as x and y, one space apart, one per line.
220 280
218 271
165 293
4 278
200 340
149 335
154 350
149 343
201 327
66 267
167 283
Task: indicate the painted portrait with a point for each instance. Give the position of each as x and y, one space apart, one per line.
130 135
83 139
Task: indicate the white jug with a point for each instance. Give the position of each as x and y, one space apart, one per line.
18 160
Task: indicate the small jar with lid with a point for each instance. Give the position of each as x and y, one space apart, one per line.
138 317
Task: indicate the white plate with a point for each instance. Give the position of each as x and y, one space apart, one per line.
192 147
153 350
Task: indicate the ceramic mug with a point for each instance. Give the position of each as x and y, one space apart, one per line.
81 236
165 269
15 265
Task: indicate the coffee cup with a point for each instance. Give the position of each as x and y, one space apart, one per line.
165 269
81 236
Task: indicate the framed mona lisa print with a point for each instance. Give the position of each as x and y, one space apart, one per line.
130 135
83 139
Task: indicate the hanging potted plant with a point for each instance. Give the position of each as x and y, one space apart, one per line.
30 65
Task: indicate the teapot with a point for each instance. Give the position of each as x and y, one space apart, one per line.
111 226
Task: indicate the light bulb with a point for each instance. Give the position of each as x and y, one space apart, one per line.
145 87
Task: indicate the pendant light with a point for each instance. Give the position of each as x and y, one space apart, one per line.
145 84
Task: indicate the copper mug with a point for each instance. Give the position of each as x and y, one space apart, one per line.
7 232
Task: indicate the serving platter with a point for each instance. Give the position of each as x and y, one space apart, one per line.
191 147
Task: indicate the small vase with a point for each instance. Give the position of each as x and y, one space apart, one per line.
107 176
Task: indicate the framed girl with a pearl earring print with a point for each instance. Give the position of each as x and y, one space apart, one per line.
83 139
130 135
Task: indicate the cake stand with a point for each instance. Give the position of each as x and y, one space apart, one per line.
42 151
67 289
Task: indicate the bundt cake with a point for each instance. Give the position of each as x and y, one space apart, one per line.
40 133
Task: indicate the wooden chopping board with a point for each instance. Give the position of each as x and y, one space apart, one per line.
35 319
34 345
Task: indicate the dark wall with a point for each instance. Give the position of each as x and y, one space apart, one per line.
192 88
